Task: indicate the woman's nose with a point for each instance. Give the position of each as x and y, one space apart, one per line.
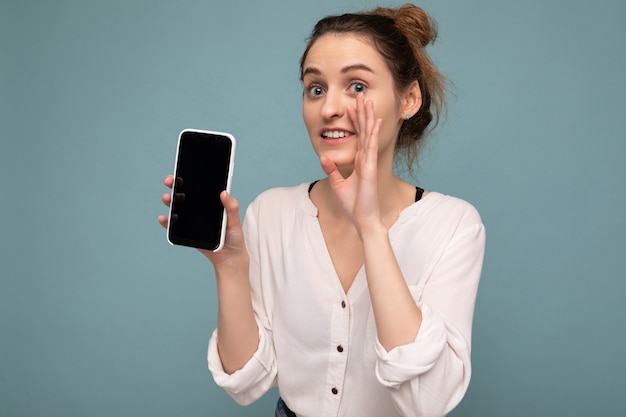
334 105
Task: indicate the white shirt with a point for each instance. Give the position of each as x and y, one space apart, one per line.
319 343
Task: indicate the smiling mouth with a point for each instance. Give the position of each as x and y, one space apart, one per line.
335 134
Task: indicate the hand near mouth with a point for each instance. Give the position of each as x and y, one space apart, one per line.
358 192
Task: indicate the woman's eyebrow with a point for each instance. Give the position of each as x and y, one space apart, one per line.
311 70
356 67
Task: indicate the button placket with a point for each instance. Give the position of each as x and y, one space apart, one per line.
339 344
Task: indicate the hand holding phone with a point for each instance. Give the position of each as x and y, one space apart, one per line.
203 169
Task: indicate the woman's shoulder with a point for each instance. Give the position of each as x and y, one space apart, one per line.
279 199
446 207
438 219
280 193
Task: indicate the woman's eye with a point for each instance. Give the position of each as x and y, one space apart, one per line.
315 91
357 87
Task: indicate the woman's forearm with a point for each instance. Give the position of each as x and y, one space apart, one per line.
397 316
237 332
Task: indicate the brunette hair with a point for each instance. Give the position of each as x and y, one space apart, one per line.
400 36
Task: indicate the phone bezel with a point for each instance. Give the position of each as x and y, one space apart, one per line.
231 165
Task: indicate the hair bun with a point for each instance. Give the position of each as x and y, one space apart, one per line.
413 22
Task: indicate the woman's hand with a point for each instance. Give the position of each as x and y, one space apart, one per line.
234 250
359 191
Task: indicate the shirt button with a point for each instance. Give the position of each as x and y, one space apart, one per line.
343 304
339 348
334 391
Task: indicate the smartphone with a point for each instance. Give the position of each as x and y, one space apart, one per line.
203 169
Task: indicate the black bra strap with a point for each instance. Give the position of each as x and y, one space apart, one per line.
311 185
419 192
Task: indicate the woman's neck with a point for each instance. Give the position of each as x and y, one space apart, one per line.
394 195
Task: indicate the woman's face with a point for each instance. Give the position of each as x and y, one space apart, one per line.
336 69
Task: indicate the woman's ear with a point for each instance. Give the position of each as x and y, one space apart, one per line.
412 100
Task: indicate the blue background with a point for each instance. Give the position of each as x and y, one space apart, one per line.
99 316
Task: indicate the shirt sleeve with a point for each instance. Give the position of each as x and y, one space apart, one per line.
430 376
249 383
258 375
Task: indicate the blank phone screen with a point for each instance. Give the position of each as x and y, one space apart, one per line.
202 171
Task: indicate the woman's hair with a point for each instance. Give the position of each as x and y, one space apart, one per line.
400 36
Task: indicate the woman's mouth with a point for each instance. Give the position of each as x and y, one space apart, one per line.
336 134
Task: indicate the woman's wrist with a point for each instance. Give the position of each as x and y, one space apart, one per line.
233 269
373 232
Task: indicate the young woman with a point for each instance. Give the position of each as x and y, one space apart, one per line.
353 294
